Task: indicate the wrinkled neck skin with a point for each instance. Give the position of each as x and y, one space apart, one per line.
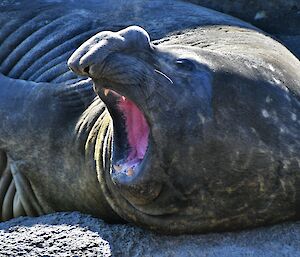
51 144
145 193
28 141
17 111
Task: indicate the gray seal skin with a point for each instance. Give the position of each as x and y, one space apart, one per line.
61 148
223 143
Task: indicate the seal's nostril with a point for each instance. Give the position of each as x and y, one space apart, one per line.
71 68
70 65
87 70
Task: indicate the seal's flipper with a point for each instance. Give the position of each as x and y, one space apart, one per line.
76 96
11 205
5 181
24 190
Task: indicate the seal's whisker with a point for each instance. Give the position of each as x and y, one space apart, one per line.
164 75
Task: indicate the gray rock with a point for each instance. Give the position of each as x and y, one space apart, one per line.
75 234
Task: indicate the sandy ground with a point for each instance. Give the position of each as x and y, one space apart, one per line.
75 234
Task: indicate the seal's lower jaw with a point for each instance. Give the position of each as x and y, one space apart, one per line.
134 179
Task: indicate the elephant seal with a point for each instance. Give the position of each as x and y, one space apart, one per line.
203 138
49 116
177 167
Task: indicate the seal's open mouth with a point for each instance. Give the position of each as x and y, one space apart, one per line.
130 169
131 134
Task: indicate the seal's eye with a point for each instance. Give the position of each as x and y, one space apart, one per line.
185 64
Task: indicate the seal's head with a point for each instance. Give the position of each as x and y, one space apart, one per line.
153 95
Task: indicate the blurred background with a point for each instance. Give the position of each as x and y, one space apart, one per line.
280 18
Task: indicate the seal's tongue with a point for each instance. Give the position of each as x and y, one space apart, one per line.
137 132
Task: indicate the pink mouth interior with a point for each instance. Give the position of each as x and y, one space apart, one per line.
137 134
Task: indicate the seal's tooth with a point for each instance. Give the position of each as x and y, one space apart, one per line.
106 91
130 172
117 168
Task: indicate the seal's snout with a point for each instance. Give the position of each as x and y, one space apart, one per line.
136 37
74 65
89 58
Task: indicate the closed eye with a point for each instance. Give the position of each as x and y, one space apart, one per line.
185 64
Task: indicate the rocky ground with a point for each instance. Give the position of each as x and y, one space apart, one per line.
75 234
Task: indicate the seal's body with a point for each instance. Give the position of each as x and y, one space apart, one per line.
195 133
223 127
